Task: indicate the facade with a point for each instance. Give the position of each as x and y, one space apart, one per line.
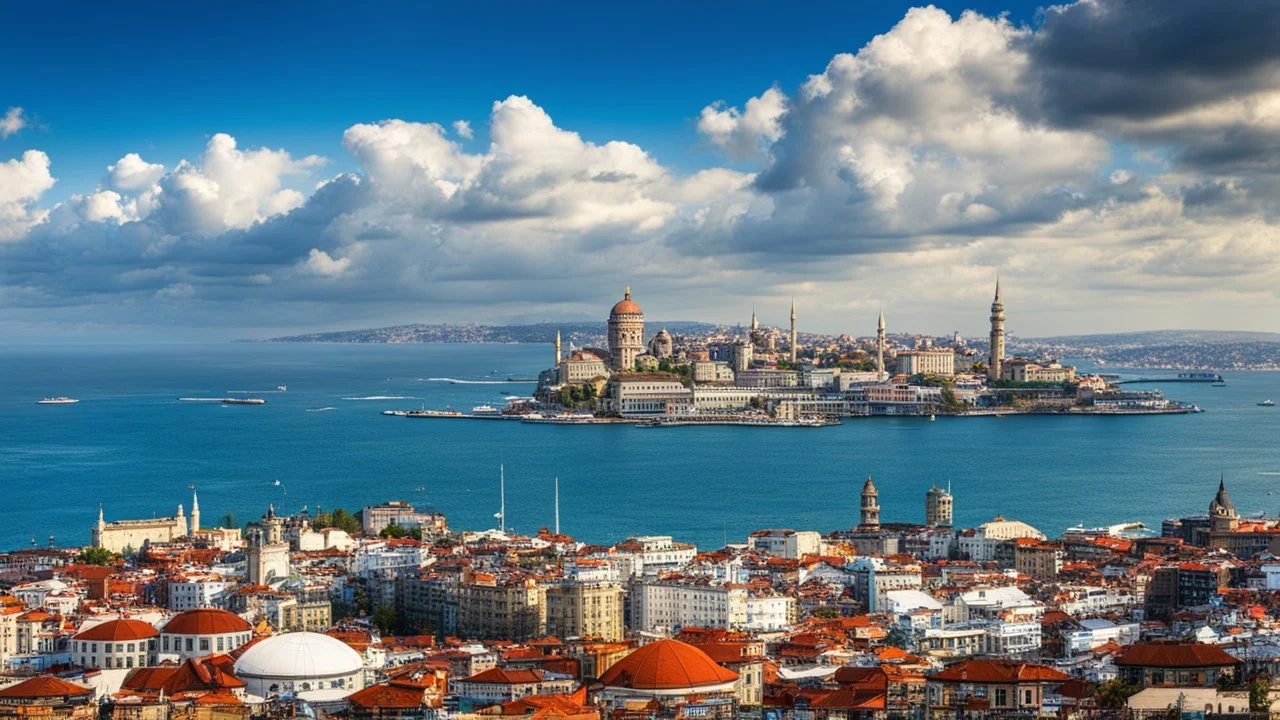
579 610
267 557
120 535
870 506
581 366
647 394
996 358
626 333
1175 664
712 371
789 544
926 362
201 632
1024 370
663 606
119 643
191 591
376 518
993 687
661 345
499 685
937 507
670 679
511 609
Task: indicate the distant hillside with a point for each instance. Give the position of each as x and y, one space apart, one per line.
1162 337
580 333
1171 349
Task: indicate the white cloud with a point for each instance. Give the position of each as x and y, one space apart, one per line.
12 122
131 173
22 182
320 263
748 132
462 129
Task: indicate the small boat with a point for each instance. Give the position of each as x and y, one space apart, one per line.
932 417
282 388
60 400
1267 403
243 401
485 410
276 483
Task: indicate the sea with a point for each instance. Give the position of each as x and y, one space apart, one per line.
132 447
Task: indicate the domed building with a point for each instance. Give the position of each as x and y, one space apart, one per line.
626 333
301 663
203 631
119 643
674 675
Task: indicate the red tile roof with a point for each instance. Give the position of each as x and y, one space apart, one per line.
998 672
43 686
666 665
118 630
1174 655
506 677
206 621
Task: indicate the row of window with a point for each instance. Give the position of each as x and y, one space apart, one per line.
92 647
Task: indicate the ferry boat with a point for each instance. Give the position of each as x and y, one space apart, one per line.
396 413
243 401
60 400
433 414
485 411
1267 403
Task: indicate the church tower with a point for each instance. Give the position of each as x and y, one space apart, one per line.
1222 512
793 331
880 347
267 555
195 514
870 506
997 336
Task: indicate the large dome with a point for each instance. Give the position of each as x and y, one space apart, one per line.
206 621
667 665
625 306
299 656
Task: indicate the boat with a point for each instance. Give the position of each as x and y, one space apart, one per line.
433 414
932 417
276 483
282 388
485 411
396 413
60 400
1267 403
243 401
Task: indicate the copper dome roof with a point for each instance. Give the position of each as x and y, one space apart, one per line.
667 665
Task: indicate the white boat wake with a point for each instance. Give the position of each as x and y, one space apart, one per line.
459 381
323 409
382 397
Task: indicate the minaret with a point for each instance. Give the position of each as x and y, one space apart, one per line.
870 506
557 349
102 523
557 505
880 347
997 336
755 324
195 513
793 331
502 499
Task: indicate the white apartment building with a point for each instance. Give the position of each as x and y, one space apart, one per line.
653 554
191 591
665 606
927 362
784 543
1095 632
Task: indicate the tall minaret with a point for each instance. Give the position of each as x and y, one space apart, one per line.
755 324
195 513
997 336
557 349
880 347
557 505
870 506
793 331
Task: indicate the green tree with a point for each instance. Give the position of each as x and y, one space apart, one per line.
229 520
1113 694
95 556
1260 693
392 531
384 618
338 518
129 552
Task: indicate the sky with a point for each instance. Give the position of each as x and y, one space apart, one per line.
183 172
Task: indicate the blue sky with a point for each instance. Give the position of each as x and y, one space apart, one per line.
294 167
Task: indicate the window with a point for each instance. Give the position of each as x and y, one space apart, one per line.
1001 697
131 647
220 641
1029 696
165 642
204 644
191 645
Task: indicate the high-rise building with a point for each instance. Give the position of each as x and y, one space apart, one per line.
626 333
997 336
586 610
937 507
793 331
870 506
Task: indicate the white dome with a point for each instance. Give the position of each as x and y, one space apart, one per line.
299 656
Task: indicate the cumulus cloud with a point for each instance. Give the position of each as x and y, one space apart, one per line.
131 173
319 263
462 129
12 122
745 133
22 182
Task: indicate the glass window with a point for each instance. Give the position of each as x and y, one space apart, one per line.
220 641
131 647
204 643
191 645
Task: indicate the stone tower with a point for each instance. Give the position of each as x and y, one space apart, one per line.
997 336
793 331
626 333
870 506
195 514
880 347
937 507
1222 512
267 556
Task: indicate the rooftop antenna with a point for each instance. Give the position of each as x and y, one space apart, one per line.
557 504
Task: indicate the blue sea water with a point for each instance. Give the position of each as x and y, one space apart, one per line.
130 445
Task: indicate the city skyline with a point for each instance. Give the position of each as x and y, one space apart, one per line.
1116 169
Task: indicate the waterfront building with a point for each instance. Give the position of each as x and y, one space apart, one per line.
267 556
200 632
114 644
870 507
712 371
581 366
996 357
719 398
926 362
582 609
767 378
670 679
303 663
626 333
120 535
646 394
1024 370
376 518
937 507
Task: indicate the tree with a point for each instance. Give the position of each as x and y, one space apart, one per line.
392 531
1115 694
1260 693
338 518
95 556
384 618
229 520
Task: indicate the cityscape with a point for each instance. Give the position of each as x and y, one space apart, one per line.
640 361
